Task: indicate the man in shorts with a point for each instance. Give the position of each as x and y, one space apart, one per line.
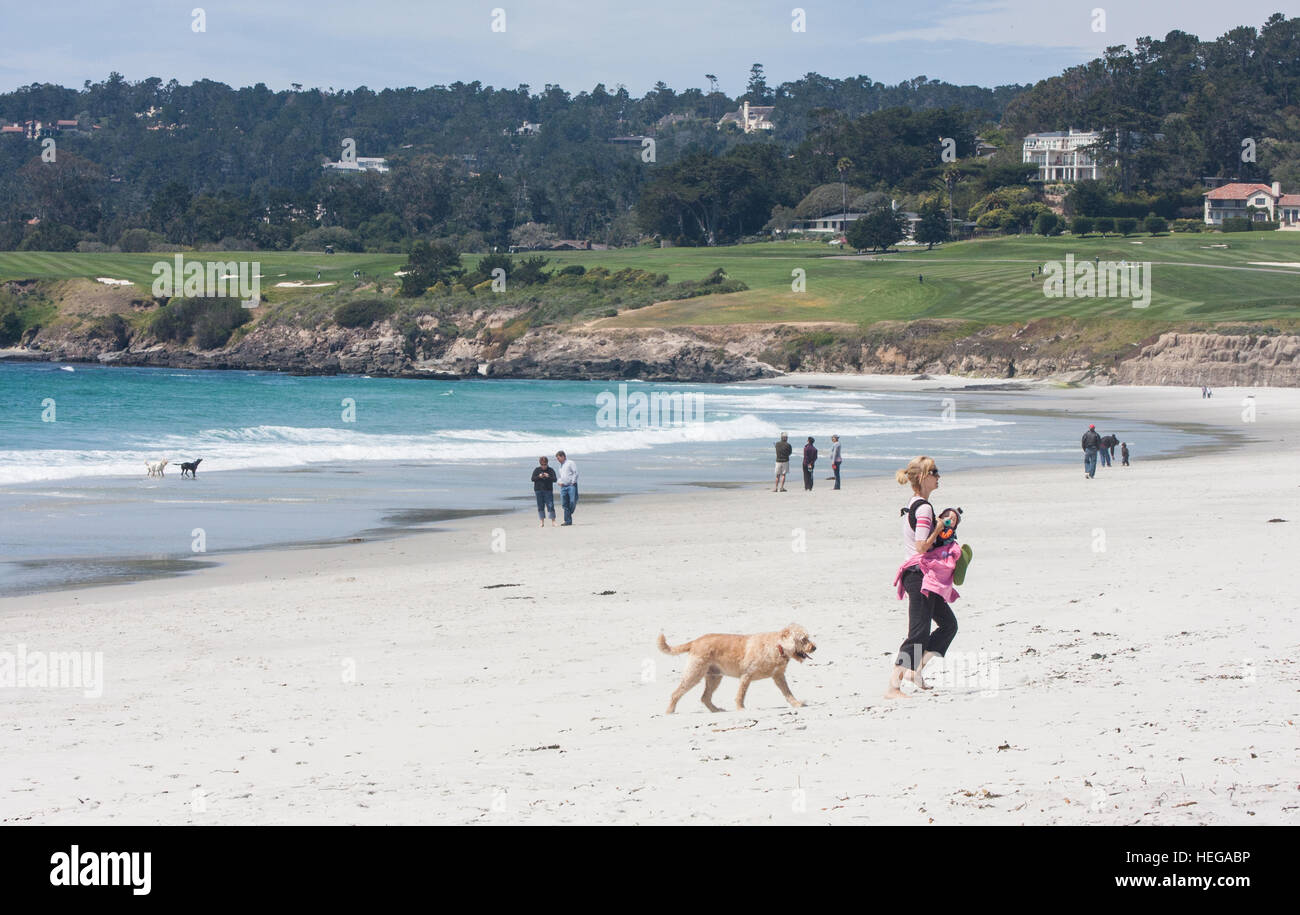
783 449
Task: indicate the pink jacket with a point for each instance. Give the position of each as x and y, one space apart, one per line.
936 568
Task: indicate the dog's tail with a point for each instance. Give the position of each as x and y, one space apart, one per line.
668 649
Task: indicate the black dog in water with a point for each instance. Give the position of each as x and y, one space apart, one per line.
190 466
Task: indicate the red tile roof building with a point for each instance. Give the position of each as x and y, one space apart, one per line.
1260 202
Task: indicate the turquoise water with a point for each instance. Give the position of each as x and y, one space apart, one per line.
293 460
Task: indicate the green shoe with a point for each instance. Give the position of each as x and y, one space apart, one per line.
959 572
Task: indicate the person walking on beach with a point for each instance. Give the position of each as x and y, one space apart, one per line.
783 449
1123 453
835 460
809 459
923 607
568 478
1091 445
543 482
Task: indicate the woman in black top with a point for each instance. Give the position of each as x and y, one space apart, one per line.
543 480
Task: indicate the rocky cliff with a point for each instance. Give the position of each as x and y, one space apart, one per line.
482 343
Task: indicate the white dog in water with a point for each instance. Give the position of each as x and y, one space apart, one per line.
156 467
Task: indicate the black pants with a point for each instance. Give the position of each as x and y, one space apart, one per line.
807 476
921 609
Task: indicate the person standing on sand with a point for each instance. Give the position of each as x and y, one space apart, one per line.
568 487
1123 453
835 460
921 645
1091 445
809 459
783 449
543 488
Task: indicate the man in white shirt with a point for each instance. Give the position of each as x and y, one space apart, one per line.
568 487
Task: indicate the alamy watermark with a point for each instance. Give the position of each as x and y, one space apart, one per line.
1098 279
642 410
209 279
82 670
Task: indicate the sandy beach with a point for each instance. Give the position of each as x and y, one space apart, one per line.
1126 655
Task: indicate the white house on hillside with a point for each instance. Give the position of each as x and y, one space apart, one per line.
1063 155
750 117
1237 200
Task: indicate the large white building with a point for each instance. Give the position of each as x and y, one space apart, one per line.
750 118
1063 155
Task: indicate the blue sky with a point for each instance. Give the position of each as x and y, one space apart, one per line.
382 43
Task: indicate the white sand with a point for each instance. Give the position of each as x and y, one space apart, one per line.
1154 681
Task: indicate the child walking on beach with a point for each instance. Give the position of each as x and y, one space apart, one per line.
924 604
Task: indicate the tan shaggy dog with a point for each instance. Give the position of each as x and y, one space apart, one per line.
749 657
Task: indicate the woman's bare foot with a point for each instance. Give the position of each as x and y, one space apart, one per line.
916 678
895 682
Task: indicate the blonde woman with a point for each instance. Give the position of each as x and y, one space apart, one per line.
919 533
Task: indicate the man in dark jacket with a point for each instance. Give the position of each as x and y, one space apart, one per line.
809 459
1091 445
1108 443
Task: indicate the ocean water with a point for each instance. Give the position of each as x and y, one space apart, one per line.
291 460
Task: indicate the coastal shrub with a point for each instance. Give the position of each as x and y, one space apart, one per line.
50 236
573 270
134 241
529 272
210 322
1189 225
317 239
362 312
1047 224
11 324
112 328
1156 225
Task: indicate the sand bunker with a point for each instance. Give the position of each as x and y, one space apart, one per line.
109 281
298 284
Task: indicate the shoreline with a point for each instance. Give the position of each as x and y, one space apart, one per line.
173 568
